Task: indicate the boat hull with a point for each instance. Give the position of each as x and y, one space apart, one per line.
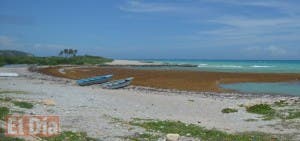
118 83
94 80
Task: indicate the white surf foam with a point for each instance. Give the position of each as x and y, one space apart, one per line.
258 66
219 66
228 66
202 65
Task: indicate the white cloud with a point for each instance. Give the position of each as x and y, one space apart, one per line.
269 51
139 6
239 26
276 51
245 31
243 22
265 3
234 28
281 5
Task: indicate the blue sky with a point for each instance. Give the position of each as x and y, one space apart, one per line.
130 29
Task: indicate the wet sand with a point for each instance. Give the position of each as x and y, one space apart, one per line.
172 79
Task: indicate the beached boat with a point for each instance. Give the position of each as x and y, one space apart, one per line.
117 83
94 80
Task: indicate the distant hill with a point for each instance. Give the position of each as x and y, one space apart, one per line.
14 53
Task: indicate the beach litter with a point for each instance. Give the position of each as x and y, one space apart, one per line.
48 102
172 137
7 74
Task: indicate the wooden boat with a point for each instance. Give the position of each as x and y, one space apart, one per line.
117 83
94 80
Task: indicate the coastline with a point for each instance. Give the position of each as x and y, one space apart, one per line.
136 63
118 62
97 105
200 81
142 70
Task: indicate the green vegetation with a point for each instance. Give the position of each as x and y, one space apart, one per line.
191 100
70 136
241 105
281 103
4 138
68 52
195 131
4 111
5 99
281 110
229 110
75 60
12 92
143 137
250 120
263 109
23 104
116 120
66 56
292 114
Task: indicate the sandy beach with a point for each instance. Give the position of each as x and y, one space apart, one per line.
92 109
130 62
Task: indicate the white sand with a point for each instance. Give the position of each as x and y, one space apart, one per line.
130 62
90 108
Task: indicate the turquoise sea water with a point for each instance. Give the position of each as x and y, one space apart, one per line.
283 88
253 66
268 66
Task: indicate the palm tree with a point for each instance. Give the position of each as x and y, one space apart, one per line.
70 52
61 53
66 52
75 52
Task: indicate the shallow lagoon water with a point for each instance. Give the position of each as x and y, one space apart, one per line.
282 88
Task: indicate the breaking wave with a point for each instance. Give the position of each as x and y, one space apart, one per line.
258 66
202 65
228 66
219 66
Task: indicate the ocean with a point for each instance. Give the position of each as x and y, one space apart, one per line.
262 66
252 66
